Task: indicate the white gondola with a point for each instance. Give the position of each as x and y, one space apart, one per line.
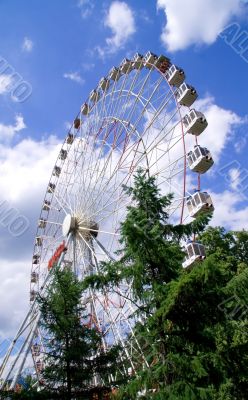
36 258
186 94
94 96
56 171
70 138
85 109
195 251
51 187
33 294
126 66
104 84
149 59
115 74
34 277
42 223
63 154
175 76
39 366
138 61
162 63
200 159
36 350
46 205
198 203
76 123
38 241
195 122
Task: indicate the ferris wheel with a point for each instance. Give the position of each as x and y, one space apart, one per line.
138 116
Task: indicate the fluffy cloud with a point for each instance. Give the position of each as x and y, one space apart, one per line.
27 45
26 165
221 125
195 21
7 132
120 20
24 172
228 210
14 293
240 144
6 82
74 76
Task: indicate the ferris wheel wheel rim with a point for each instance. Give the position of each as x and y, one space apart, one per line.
95 105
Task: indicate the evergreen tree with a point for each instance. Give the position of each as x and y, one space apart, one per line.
75 362
151 257
193 333
151 254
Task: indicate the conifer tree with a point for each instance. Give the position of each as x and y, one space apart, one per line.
193 322
75 361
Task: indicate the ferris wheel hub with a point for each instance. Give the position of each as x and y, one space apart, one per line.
69 224
79 226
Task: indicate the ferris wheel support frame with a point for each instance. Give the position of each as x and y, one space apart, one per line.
108 140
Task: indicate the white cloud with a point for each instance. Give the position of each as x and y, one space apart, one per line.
240 144
74 76
7 132
195 21
86 7
120 20
221 125
101 51
14 292
67 125
6 82
24 172
228 212
26 165
27 45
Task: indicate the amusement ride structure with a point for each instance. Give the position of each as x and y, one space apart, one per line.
139 115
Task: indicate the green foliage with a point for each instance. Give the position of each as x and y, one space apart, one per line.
193 326
151 254
199 336
33 394
74 353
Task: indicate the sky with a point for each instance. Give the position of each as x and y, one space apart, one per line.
58 50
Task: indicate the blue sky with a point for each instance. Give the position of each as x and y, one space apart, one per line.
62 49
65 42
